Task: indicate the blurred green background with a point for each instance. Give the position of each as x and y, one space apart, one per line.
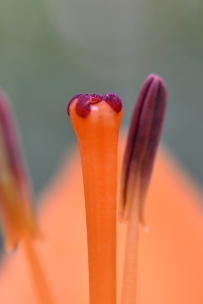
51 50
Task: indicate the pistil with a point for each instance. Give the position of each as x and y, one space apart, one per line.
96 120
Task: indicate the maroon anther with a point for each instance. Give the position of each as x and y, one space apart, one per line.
142 142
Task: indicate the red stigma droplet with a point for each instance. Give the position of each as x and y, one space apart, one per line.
70 102
84 102
113 101
96 98
83 105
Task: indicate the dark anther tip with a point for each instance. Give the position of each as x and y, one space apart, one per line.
143 138
156 83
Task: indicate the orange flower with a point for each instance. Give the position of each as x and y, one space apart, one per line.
170 266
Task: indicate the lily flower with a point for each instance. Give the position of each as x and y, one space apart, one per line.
170 267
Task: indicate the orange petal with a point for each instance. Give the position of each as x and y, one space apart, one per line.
170 266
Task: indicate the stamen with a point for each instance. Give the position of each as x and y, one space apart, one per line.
143 138
15 202
96 120
142 142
